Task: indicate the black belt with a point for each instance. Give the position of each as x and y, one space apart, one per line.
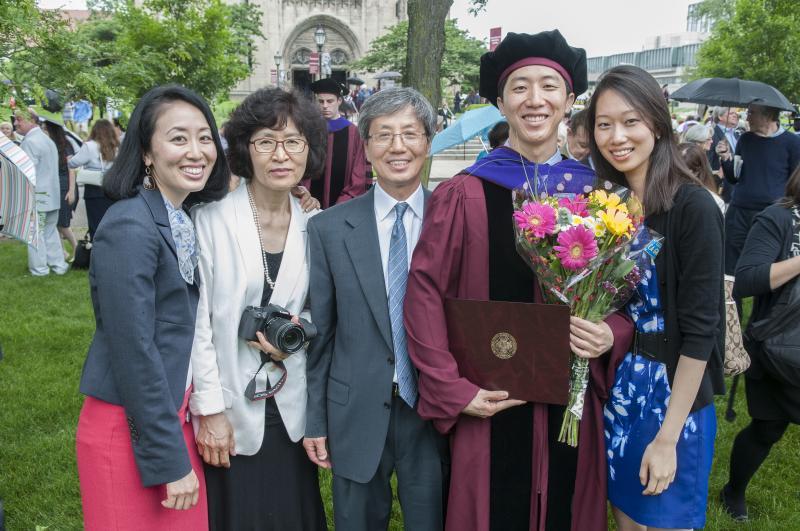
652 346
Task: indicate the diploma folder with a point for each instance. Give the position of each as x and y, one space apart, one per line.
522 348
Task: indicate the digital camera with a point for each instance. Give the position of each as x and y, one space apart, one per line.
277 326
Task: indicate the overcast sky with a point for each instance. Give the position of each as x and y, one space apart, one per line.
601 26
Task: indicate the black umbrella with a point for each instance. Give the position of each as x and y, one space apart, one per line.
355 81
732 92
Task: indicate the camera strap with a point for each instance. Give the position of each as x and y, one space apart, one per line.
250 391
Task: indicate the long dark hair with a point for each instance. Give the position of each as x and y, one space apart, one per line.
271 108
666 171
127 173
59 138
107 140
792 197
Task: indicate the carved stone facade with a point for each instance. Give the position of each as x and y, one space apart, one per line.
289 25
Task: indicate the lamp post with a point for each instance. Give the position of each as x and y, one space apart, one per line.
278 58
319 38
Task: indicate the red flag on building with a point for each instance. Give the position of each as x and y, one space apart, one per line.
495 36
273 74
313 63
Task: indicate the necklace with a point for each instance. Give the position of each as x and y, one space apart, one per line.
270 282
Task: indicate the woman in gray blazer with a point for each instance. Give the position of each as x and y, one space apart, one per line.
135 448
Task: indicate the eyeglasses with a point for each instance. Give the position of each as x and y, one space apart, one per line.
386 139
290 145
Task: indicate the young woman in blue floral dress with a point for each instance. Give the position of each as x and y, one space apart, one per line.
660 421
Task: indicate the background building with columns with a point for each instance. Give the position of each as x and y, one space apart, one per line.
289 26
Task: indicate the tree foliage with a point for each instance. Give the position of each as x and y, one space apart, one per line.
460 63
756 40
126 48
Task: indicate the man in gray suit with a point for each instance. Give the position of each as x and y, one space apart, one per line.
362 388
48 253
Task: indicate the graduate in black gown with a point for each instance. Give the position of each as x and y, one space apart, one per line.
347 173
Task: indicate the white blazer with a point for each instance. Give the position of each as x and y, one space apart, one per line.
232 278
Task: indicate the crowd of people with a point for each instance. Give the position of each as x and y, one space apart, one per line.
270 308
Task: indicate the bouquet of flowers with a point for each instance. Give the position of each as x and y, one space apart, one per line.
585 239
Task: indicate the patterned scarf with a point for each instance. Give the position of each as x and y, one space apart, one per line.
794 250
185 243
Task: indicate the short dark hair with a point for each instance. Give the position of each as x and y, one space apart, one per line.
499 134
697 161
272 108
666 171
127 173
578 120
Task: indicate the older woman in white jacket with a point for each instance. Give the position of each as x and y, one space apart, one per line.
249 398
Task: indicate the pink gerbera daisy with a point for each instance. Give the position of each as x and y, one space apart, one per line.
577 247
577 205
538 218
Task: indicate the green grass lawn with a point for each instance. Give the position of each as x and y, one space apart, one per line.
46 325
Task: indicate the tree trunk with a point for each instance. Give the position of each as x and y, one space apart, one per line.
426 40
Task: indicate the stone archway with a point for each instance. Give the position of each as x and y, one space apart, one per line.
341 43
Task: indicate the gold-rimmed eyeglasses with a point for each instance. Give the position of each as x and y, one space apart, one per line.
409 138
269 145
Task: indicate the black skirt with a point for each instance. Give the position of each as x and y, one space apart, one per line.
277 489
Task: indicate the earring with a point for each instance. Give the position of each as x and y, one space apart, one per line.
148 182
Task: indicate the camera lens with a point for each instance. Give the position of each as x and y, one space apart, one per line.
285 335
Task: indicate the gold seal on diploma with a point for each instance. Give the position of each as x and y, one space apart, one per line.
504 346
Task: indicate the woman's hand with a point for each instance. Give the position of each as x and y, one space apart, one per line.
215 441
589 340
182 494
659 464
265 346
487 403
307 201
70 197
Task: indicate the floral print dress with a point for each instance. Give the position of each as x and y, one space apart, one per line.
634 414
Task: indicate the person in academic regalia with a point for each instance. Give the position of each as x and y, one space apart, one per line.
347 172
508 472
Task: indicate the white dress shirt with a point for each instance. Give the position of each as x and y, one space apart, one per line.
385 217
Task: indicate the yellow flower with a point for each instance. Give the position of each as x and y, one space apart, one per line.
616 221
577 220
610 201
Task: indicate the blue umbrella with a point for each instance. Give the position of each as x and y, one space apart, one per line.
471 124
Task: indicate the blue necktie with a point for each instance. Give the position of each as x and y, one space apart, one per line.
398 277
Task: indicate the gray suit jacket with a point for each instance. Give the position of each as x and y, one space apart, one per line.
351 363
44 154
145 317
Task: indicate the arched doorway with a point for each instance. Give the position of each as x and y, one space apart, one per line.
341 44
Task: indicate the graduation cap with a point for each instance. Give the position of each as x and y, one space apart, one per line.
328 85
548 48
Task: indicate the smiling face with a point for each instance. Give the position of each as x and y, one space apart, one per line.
279 170
329 105
182 151
7 130
399 164
622 136
535 99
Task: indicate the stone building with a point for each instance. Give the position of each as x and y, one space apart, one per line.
289 26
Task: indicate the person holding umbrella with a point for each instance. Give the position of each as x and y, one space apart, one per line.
759 168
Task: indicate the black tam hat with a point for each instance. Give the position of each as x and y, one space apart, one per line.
328 85
548 48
